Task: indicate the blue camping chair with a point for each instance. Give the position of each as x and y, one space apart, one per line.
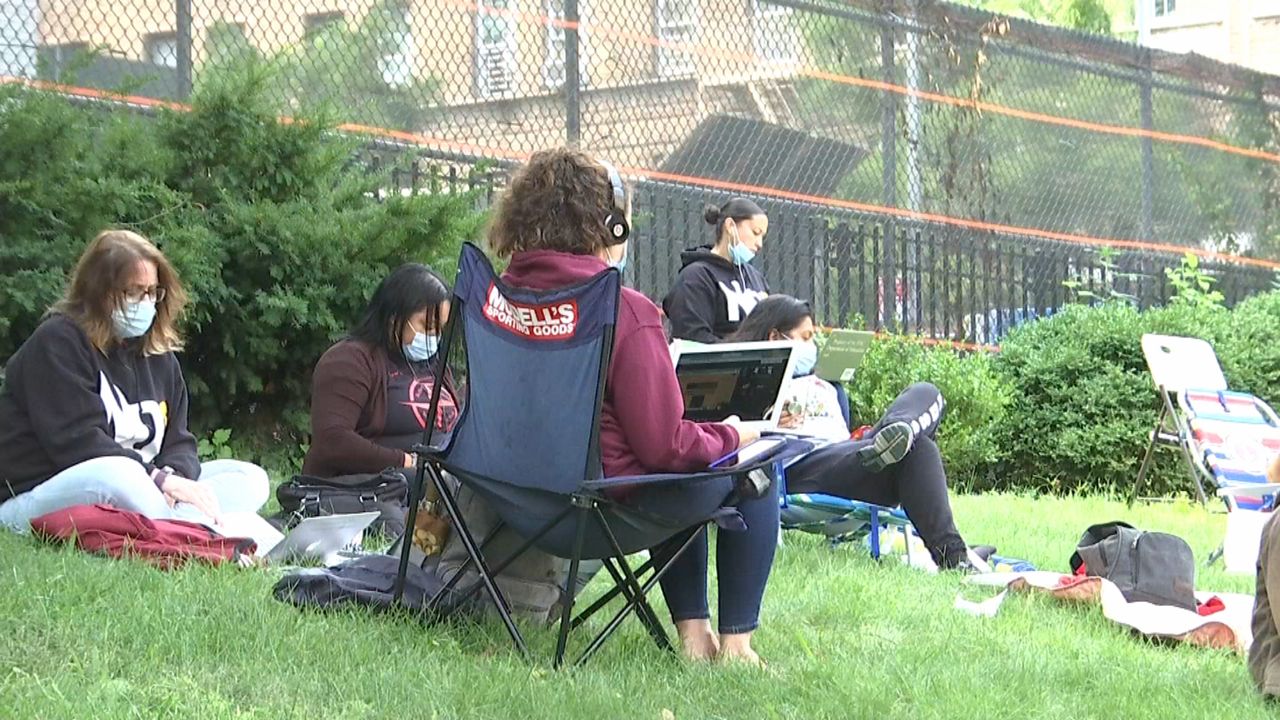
527 441
839 519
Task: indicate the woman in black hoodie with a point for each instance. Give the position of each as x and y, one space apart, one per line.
94 408
717 286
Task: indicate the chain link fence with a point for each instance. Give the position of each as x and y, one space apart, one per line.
926 167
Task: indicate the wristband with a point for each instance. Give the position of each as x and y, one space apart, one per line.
159 476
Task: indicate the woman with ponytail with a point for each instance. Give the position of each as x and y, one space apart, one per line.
717 286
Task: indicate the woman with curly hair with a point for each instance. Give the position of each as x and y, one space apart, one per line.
556 224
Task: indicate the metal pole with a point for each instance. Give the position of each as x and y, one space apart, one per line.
915 183
572 76
889 153
1148 158
182 25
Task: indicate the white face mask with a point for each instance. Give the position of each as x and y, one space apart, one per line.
806 358
134 319
739 254
423 347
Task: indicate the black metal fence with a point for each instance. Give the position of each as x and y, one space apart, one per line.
862 269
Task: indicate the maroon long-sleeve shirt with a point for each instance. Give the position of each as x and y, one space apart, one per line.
642 425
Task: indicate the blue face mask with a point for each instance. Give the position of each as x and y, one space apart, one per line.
806 359
423 347
740 254
621 265
134 319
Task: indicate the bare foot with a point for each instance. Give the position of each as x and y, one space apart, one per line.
697 641
737 648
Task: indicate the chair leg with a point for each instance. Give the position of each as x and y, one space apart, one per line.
473 552
1147 456
608 597
510 558
1196 484
875 533
640 592
566 612
644 611
1215 555
453 581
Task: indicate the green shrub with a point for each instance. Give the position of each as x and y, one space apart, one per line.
1084 401
275 231
976 398
1250 348
66 172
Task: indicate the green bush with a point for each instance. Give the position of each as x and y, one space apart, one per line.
275 231
976 398
65 173
1250 349
1084 402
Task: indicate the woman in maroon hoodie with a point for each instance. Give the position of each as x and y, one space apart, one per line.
552 225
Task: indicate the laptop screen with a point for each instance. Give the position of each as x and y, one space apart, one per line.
719 383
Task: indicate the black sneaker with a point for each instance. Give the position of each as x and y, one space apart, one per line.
972 562
890 445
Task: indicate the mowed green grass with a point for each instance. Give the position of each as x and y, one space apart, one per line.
845 637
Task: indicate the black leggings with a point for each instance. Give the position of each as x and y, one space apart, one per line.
918 482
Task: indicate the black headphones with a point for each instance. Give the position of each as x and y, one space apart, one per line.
616 221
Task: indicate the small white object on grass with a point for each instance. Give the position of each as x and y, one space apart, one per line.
986 608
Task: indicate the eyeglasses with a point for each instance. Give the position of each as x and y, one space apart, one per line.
137 293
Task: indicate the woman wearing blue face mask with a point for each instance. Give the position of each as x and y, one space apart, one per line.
897 464
94 405
371 391
717 286
813 404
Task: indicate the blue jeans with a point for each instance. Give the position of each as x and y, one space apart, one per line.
743 559
123 483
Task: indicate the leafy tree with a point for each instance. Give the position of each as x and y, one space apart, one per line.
357 71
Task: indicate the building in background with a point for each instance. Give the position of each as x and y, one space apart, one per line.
1241 32
483 65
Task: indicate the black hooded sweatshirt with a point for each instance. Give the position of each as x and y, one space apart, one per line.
711 296
64 402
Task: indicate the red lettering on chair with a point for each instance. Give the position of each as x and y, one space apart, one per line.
557 321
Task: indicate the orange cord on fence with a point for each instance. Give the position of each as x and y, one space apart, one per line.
926 340
478 150
964 102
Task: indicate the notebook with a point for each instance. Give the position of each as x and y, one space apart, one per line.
842 353
743 379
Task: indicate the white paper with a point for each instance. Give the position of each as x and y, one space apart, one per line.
253 526
1242 540
986 608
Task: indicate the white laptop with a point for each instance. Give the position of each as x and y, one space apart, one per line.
743 379
314 538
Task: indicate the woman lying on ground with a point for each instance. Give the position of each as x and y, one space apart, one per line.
371 391
94 405
897 464
555 224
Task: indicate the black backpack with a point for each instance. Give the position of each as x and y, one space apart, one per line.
1152 567
308 496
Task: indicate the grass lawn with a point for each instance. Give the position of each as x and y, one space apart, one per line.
85 637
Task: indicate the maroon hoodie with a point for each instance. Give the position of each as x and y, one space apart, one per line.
642 425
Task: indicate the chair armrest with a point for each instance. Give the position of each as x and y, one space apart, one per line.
663 478
1246 490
